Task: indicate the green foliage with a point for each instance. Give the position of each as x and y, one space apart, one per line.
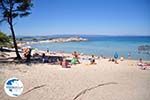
13 8
10 9
4 40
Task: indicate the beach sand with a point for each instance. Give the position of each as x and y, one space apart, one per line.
103 81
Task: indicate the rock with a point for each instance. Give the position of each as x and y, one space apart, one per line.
55 40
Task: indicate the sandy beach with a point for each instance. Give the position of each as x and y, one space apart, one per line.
103 81
74 49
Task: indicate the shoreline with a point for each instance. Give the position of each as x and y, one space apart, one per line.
140 50
60 53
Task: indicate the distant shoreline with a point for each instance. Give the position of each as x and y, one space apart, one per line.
32 40
78 35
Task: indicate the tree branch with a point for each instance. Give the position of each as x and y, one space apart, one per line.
3 6
2 20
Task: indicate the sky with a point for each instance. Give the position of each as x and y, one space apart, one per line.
99 17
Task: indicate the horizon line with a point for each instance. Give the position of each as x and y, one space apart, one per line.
80 35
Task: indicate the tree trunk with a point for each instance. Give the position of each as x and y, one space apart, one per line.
14 41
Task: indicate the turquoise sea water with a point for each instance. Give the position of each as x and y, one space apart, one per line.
102 45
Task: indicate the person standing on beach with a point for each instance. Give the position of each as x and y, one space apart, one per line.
116 57
29 55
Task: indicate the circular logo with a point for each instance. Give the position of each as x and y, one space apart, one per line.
13 87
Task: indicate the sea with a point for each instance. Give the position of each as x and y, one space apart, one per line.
104 46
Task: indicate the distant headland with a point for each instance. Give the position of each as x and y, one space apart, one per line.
44 39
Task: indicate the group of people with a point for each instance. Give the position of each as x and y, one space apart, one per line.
116 56
65 63
143 65
75 60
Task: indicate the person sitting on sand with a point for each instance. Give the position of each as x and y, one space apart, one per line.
121 58
142 64
27 53
74 61
92 60
44 58
65 64
76 56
